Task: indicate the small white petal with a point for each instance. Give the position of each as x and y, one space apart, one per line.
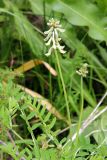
46 32
59 39
61 48
48 23
49 52
62 51
78 72
50 30
49 42
48 36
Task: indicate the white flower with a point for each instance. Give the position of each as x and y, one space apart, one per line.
83 71
52 37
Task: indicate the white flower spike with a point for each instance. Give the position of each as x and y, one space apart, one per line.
52 36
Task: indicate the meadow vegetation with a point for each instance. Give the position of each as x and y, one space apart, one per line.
53 80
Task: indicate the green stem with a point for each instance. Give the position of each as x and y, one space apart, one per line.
63 85
82 104
58 79
81 111
80 118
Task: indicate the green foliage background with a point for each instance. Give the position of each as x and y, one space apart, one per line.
22 26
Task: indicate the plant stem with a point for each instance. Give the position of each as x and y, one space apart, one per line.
63 85
81 111
58 80
82 104
80 117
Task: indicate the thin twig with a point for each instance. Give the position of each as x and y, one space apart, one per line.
10 137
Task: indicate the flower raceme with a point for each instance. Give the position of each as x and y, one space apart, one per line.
52 36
